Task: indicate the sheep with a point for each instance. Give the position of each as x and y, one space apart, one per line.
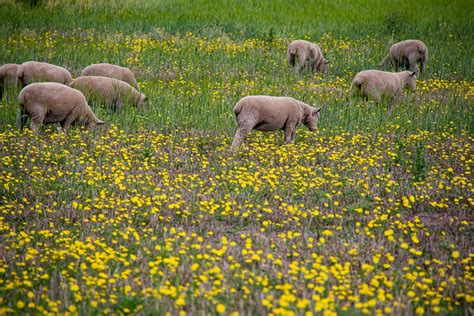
51 102
376 83
111 71
7 77
35 71
109 91
304 53
407 54
268 113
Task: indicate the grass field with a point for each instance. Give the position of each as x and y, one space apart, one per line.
152 214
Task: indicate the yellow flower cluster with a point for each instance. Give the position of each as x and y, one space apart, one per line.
128 219
121 222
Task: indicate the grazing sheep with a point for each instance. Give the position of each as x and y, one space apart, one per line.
407 54
111 71
35 71
267 113
304 53
376 83
51 102
7 77
109 91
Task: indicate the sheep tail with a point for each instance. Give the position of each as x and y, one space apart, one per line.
22 98
291 56
237 109
20 77
357 83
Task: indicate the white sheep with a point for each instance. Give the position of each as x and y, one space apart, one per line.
7 77
407 54
51 102
35 71
111 71
303 53
268 113
109 91
376 83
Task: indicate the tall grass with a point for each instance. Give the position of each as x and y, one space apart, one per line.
193 81
370 214
181 74
442 24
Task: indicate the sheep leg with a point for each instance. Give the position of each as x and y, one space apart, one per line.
373 92
290 133
35 123
23 117
66 123
291 59
395 64
37 118
301 60
392 105
358 93
118 104
313 67
240 136
376 96
23 120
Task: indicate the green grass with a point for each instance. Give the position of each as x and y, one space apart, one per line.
251 18
76 34
194 81
152 213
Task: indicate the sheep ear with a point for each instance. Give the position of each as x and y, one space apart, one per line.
316 111
99 122
327 62
413 73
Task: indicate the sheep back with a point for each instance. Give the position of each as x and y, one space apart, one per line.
109 91
377 83
111 71
34 71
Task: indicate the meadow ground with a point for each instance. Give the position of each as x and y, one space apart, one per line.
370 214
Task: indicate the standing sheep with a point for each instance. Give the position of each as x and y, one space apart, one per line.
376 83
267 113
50 102
111 92
7 77
305 53
407 54
35 71
111 71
